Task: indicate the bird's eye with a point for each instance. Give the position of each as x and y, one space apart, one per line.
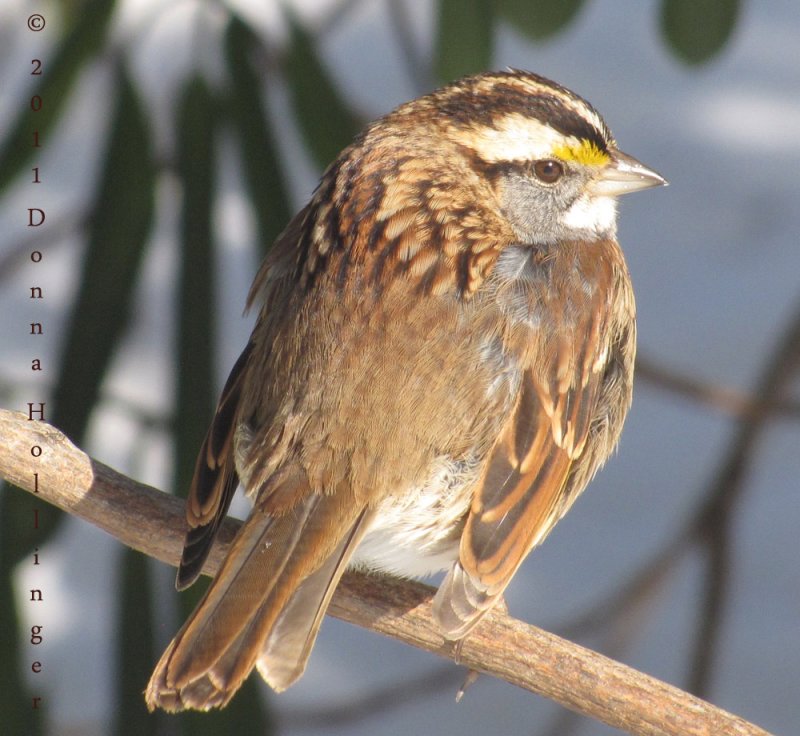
548 170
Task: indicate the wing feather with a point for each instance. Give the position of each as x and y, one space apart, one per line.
215 478
526 486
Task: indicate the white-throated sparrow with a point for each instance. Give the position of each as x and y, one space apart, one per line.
442 360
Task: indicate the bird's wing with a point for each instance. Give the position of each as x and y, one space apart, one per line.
215 479
526 485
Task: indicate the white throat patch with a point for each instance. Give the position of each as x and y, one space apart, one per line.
594 214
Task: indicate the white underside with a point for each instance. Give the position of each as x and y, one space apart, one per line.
417 532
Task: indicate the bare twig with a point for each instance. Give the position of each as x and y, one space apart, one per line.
709 528
724 399
715 520
152 522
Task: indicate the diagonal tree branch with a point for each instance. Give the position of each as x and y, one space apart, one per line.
721 398
577 678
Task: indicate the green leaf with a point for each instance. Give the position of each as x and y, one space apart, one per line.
121 219
697 30
327 124
540 19
464 38
262 173
195 357
135 648
59 72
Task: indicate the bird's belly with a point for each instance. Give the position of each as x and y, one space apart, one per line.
417 532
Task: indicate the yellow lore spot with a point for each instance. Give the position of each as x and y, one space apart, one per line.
583 152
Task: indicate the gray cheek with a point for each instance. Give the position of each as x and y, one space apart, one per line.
534 210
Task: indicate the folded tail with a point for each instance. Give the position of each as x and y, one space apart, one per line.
264 607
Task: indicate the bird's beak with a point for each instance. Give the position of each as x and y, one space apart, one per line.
625 174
